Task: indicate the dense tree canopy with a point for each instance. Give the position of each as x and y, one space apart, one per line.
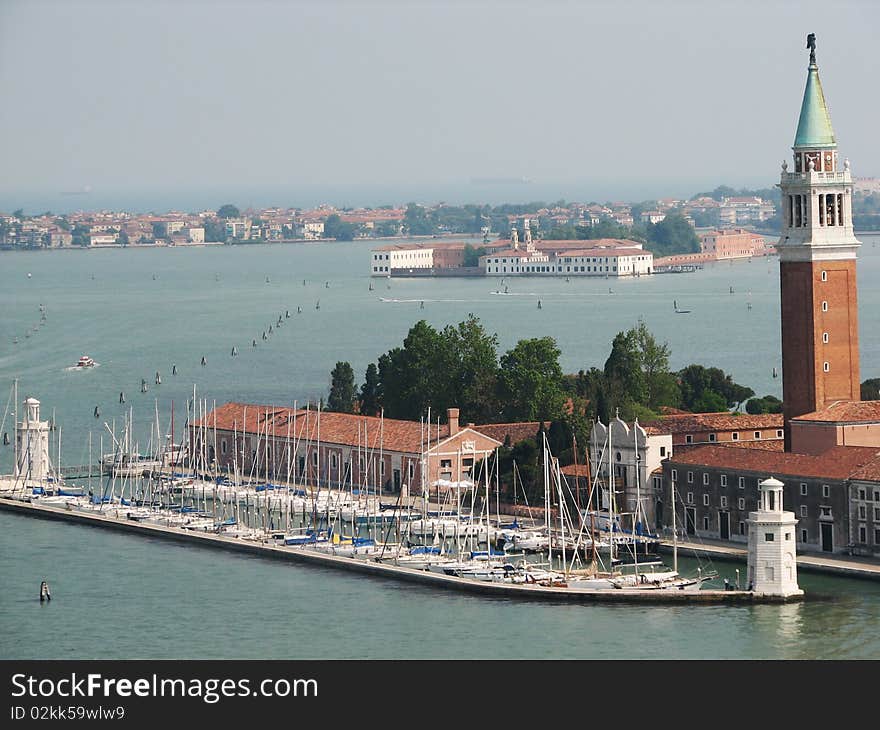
530 381
871 389
343 391
335 227
228 211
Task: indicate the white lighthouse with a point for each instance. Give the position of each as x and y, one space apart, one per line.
772 569
32 444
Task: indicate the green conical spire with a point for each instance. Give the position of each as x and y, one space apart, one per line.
814 126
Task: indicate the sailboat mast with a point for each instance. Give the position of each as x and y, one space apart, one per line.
638 497
674 533
610 496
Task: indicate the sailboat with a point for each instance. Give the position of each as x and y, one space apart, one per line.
647 575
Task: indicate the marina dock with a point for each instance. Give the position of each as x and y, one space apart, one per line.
849 567
385 570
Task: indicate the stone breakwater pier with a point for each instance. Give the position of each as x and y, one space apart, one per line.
388 570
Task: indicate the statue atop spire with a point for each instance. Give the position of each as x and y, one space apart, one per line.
811 44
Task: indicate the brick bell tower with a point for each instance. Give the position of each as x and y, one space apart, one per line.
817 266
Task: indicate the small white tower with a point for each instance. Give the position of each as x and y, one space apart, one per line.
32 436
772 569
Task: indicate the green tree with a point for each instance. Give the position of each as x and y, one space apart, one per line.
472 254
660 386
335 227
470 365
672 235
19 213
530 381
228 211
767 404
122 238
870 389
215 229
342 389
370 392
412 377
709 402
417 222
696 380
624 380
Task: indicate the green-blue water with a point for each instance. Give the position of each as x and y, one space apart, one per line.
144 310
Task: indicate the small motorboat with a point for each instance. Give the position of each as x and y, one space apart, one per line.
86 362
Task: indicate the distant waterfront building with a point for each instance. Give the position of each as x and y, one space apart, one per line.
603 257
103 239
309 230
195 235
652 216
413 258
60 238
735 211
732 244
238 228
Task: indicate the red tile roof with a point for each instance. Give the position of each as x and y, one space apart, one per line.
843 411
517 431
337 428
723 421
869 472
839 462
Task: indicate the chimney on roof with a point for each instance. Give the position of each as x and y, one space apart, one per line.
471 424
452 417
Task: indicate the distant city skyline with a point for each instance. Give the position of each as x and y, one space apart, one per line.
148 106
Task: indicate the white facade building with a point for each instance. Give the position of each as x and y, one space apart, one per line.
608 262
636 456
32 444
386 258
772 568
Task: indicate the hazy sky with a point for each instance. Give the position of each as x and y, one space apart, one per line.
265 101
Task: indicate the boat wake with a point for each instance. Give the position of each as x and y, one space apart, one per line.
426 301
74 368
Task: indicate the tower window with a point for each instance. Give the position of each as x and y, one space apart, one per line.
706 500
825 338
824 276
824 306
826 367
804 510
741 503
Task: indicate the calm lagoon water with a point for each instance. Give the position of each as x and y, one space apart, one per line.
138 312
